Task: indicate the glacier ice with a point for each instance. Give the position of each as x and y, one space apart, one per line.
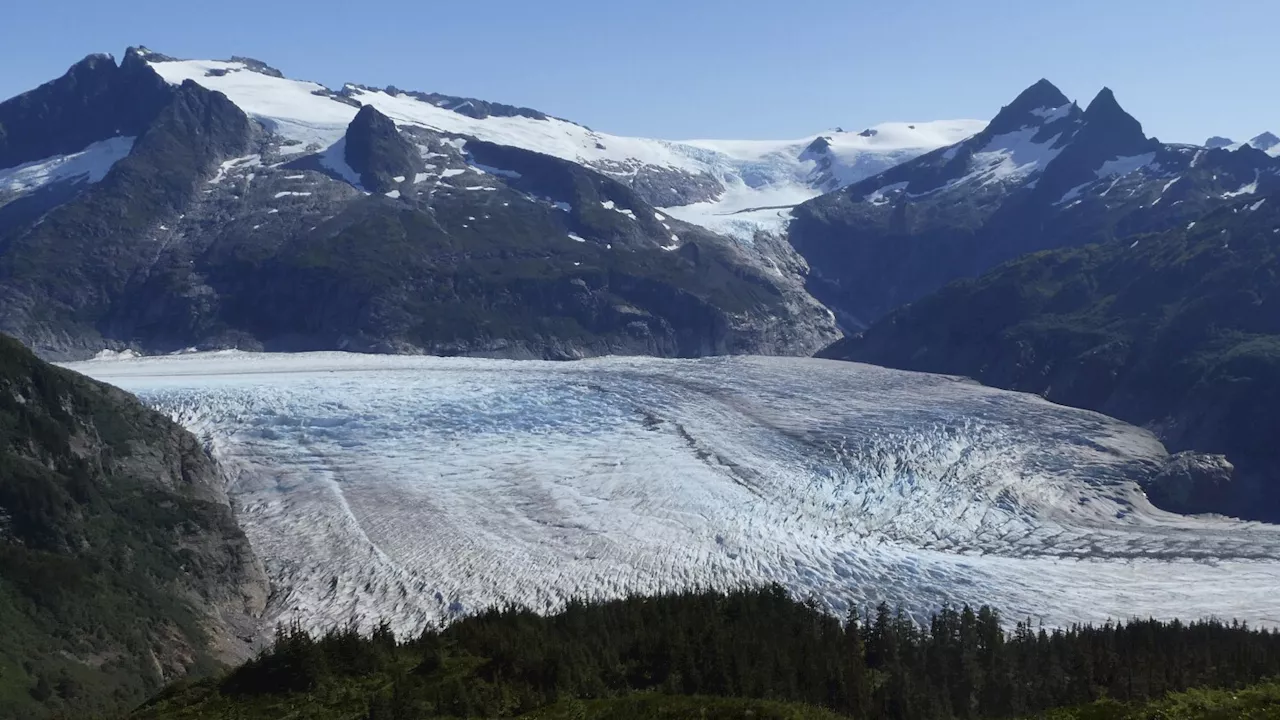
415 489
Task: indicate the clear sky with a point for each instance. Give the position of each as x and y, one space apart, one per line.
715 68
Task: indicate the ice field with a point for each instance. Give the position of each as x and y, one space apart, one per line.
418 488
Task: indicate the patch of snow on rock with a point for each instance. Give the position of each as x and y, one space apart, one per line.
335 159
879 197
1124 165
1012 156
1250 189
89 165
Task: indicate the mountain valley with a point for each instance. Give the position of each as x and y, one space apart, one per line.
381 360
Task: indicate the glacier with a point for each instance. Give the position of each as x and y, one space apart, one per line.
419 489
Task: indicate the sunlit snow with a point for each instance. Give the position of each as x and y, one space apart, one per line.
334 159
90 165
414 489
760 177
1053 114
1248 189
1012 156
1124 165
764 179
290 108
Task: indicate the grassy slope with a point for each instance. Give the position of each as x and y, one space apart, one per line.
1257 702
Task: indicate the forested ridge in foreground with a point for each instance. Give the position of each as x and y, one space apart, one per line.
749 653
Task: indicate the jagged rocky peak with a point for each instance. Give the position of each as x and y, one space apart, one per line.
377 151
1217 141
1106 133
145 54
819 146
1105 107
1033 106
1111 129
95 100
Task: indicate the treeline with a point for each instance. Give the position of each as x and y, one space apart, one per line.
759 644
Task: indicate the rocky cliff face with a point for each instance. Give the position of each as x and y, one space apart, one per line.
378 153
121 565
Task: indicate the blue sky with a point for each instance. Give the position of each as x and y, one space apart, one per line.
702 68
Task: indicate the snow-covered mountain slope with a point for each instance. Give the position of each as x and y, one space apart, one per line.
88 165
415 489
762 180
1042 174
715 183
1266 142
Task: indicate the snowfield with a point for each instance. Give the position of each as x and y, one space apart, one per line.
416 489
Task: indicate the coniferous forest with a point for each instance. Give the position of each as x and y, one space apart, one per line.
750 653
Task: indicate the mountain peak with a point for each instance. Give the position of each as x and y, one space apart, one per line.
1104 102
1023 111
97 63
1217 141
1265 141
1106 120
1044 94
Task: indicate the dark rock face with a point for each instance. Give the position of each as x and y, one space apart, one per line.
95 100
377 151
117 542
1192 482
471 107
1177 331
531 257
820 145
1217 141
478 109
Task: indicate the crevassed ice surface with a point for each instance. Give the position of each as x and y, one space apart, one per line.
415 489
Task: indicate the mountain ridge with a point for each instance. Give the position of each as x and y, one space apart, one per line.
1039 176
167 261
